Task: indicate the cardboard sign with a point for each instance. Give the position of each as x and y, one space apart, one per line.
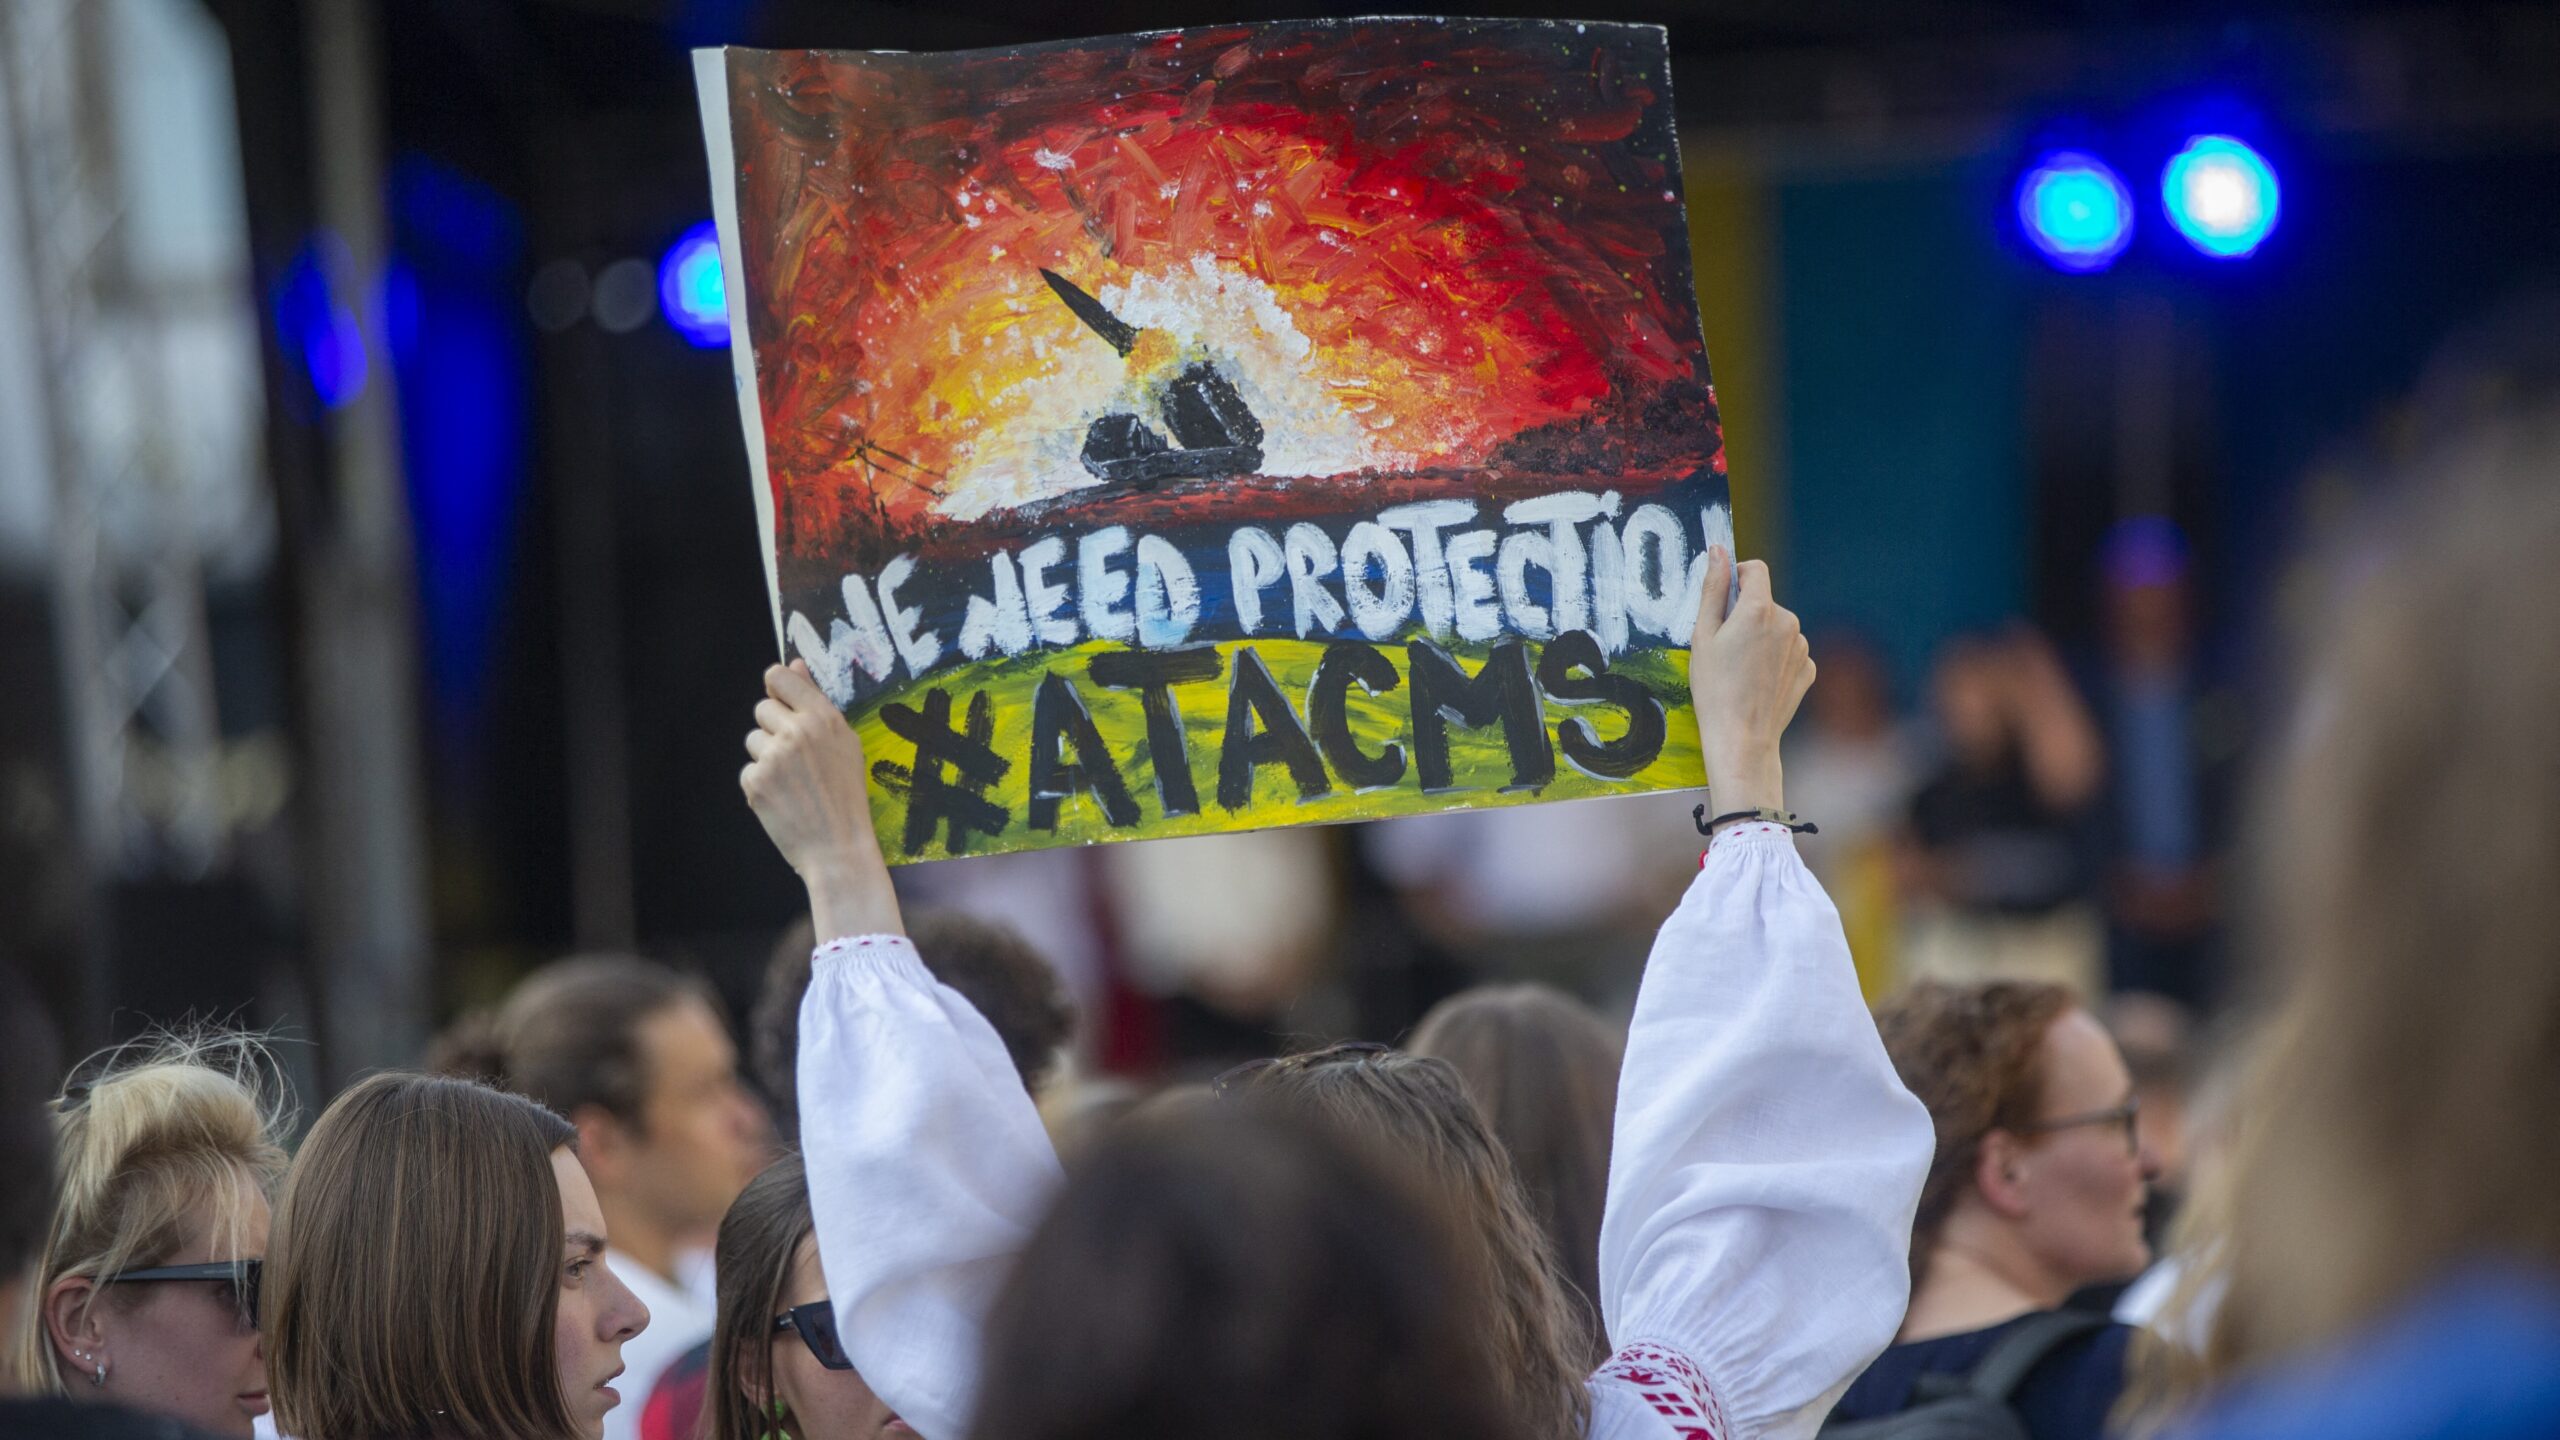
1218 429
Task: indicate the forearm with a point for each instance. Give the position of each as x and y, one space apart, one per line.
850 893
1751 780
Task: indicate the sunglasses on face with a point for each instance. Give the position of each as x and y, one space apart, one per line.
2127 1115
816 1322
240 1277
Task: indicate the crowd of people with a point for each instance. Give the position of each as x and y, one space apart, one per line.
1757 1209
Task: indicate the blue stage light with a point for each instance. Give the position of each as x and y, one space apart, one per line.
2075 210
690 288
2221 195
316 326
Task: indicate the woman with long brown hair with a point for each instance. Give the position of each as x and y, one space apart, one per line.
1543 1067
1416 1108
438 1273
1766 1160
777 1366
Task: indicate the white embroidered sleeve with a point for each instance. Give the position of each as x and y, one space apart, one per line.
1753 1256
928 1168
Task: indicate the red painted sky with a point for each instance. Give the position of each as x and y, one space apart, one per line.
1473 224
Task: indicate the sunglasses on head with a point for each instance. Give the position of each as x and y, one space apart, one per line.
816 1322
1349 1052
242 1276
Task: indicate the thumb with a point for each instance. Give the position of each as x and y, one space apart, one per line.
791 685
1712 595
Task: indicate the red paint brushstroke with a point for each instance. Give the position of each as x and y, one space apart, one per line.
1481 215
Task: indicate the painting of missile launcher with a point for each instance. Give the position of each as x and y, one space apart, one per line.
1214 432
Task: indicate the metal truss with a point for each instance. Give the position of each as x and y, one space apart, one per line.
127 568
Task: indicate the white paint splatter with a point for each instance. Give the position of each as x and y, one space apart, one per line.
1218 314
1048 159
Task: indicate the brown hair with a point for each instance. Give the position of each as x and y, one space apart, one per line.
2409 839
413 1281
1974 1055
1543 1068
146 1137
759 1238
1418 1108
1239 1273
569 1036
990 965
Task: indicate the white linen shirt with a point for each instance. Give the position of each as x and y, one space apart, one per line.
680 1317
1753 1254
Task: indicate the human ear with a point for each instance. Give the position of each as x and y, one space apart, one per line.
604 1143
1999 1174
72 1327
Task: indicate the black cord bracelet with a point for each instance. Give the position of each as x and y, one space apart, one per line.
1783 819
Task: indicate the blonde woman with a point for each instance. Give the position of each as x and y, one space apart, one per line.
146 1285
2388 1249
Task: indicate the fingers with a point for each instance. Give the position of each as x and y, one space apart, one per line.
791 685
760 743
1755 584
1711 598
772 715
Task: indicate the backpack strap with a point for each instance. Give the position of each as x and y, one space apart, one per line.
2007 1364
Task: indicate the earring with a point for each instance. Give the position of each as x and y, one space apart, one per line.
98 1377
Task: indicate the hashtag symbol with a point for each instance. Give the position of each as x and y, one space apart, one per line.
936 799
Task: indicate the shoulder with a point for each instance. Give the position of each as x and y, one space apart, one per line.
50 1418
675 1401
2068 1393
2072 1394
2477 1356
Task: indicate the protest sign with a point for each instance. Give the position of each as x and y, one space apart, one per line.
1217 429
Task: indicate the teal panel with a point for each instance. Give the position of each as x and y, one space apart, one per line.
1903 329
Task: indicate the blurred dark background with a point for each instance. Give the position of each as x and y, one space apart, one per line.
379 598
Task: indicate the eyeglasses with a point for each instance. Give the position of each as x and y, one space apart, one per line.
1349 1052
816 1322
2128 1115
242 1276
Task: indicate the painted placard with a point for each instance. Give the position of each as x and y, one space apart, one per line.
1217 429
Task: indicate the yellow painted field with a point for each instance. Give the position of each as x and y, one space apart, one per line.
1480 762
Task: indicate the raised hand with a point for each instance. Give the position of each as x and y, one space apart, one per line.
804 779
1748 670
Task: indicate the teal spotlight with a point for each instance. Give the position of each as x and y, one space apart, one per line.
2075 211
2221 195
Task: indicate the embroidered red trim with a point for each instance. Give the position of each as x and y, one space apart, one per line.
1673 1385
854 944
1759 825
